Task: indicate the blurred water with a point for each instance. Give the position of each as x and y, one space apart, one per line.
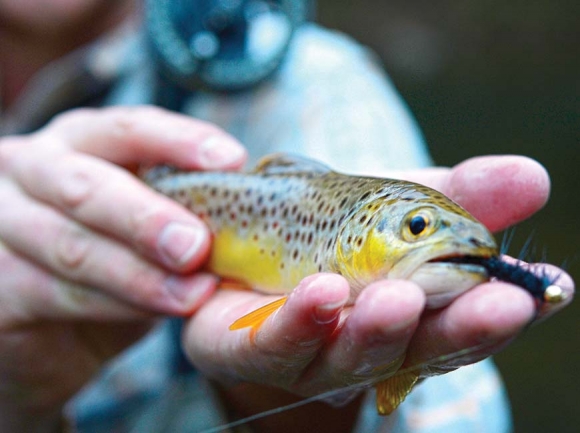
499 77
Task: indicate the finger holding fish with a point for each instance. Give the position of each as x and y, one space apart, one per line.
499 190
372 340
286 342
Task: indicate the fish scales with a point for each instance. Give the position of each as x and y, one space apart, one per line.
292 217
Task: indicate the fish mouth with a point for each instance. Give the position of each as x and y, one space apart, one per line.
462 259
446 277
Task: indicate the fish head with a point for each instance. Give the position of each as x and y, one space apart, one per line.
422 239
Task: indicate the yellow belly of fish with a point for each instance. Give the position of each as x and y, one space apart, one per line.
260 265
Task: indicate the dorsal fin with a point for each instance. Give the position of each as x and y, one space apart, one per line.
284 163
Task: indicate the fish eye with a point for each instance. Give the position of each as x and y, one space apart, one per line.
418 224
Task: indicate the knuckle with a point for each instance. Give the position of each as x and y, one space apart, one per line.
126 120
76 185
144 222
72 248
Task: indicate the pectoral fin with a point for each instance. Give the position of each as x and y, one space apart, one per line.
231 284
256 318
392 392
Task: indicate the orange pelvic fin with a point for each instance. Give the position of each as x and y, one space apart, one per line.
392 391
256 318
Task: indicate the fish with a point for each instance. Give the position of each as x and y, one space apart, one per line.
296 217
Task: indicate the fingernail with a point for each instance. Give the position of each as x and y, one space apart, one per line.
220 152
327 313
191 291
179 242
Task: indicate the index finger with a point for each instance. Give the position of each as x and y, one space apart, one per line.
500 191
125 135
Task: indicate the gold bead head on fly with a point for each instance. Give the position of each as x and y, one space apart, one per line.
418 234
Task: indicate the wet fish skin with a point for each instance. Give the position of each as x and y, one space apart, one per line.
295 217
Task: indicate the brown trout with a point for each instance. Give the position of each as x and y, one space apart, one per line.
292 217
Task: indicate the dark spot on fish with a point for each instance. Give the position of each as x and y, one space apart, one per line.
365 196
295 254
324 224
213 192
362 219
236 196
359 242
256 237
275 225
260 200
288 237
310 236
244 224
343 202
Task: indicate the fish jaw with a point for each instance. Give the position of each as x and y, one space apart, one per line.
441 278
442 282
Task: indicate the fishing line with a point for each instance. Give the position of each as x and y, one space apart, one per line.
364 384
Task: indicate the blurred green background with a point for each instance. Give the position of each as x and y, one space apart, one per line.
497 77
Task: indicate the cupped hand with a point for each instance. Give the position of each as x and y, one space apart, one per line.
314 343
88 253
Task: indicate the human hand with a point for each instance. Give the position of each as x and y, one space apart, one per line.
313 344
89 255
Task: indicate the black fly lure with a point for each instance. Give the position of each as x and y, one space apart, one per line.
541 287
